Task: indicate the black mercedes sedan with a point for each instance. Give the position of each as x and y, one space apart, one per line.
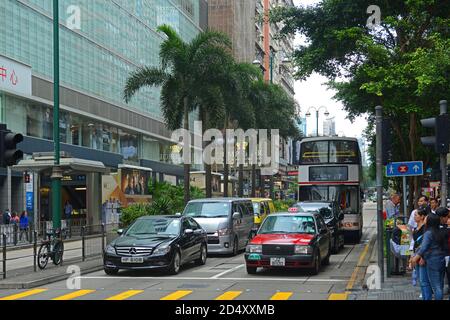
157 242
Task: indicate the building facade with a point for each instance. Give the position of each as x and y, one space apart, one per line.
255 41
112 38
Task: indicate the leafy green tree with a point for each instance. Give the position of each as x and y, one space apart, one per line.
185 70
403 64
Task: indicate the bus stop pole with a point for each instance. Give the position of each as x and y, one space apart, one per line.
405 201
379 166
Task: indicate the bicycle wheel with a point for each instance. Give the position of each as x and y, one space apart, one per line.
43 255
58 252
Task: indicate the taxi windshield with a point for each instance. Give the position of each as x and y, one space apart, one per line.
288 224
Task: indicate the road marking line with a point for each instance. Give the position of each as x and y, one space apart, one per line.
225 279
352 280
23 294
230 295
338 296
125 295
74 295
177 295
228 271
281 296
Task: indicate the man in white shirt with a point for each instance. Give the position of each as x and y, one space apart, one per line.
422 202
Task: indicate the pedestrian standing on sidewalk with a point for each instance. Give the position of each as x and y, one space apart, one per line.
15 218
7 217
431 254
417 236
434 204
23 224
421 203
393 206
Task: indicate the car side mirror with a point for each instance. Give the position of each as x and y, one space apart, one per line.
120 232
198 231
236 216
341 216
188 232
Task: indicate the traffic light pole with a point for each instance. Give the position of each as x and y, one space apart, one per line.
56 174
443 158
379 165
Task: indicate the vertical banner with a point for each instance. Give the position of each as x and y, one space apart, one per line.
29 193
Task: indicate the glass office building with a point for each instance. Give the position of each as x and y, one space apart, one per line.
101 42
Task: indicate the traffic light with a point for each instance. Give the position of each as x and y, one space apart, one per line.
440 141
9 154
386 138
26 177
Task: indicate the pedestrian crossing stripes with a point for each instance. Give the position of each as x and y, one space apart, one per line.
23 294
74 295
176 295
125 295
281 296
230 295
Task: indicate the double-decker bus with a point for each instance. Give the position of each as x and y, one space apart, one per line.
330 169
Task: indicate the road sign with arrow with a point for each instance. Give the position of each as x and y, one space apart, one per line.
404 169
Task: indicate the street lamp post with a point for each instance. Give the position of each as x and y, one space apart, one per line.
56 172
326 113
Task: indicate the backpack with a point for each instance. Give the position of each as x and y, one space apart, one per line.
6 218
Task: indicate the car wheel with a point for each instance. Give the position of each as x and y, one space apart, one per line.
251 270
111 271
235 246
316 267
176 264
203 255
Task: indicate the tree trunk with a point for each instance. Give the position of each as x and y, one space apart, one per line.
187 166
208 167
253 180
241 181
225 164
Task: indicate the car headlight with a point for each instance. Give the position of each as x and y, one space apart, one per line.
162 250
224 232
110 249
252 248
303 250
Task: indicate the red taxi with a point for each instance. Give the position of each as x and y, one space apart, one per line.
290 240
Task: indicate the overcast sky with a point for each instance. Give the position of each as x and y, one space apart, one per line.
314 93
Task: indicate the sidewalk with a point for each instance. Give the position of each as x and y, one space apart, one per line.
393 288
25 278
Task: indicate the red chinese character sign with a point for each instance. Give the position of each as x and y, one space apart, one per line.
15 76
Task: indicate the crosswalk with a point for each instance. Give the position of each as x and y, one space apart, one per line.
127 294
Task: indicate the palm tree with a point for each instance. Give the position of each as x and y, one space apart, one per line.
274 109
185 68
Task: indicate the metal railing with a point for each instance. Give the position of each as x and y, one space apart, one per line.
90 244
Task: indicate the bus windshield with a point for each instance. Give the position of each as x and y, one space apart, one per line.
329 151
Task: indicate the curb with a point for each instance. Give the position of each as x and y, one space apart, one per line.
47 280
357 281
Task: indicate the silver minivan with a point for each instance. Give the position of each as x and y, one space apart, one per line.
228 222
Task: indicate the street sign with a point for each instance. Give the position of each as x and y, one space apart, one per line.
404 169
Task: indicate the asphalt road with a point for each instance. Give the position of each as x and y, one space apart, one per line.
221 278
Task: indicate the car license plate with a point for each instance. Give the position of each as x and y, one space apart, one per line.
132 260
277 262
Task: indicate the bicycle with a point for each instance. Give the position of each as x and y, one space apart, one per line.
53 248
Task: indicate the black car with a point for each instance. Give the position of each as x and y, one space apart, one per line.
157 242
330 212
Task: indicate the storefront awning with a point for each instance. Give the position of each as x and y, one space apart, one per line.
66 164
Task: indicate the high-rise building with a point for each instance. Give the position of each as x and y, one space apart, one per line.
329 127
97 54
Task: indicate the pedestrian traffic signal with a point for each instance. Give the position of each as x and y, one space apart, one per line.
441 140
9 154
26 177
